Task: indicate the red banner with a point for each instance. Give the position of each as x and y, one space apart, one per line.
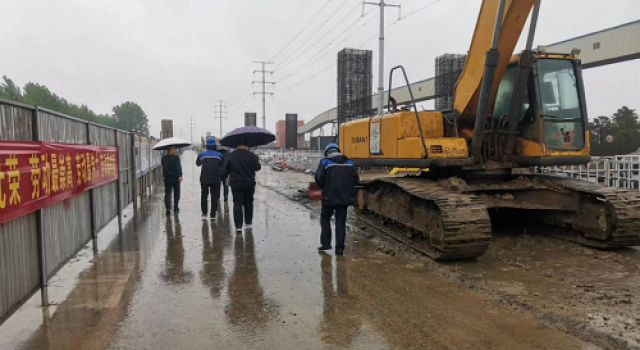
34 175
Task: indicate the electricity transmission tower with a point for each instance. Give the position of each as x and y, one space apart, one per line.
220 113
264 91
382 5
191 123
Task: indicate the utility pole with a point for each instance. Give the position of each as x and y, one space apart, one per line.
264 91
382 5
220 114
192 125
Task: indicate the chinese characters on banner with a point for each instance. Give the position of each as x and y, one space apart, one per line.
34 175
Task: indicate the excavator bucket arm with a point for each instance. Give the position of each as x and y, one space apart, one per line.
467 90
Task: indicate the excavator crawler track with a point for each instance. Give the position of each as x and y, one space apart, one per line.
623 226
448 224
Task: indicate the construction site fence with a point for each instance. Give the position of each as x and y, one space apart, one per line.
35 246
614 171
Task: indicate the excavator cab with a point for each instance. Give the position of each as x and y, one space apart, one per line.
552 114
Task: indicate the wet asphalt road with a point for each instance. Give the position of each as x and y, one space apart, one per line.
182 283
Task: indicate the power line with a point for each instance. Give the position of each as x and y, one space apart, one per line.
308 78
319 55
302 30
361 45
220 114
317 31
264 92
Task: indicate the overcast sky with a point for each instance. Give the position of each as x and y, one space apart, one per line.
176 57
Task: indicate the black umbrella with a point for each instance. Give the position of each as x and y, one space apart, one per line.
251 136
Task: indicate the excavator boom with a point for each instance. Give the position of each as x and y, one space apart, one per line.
467 90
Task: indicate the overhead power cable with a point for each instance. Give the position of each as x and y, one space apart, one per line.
299 50
302 30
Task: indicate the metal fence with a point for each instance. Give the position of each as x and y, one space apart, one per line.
35 246
616 171
298 160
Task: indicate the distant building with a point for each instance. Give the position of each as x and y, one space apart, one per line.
281 134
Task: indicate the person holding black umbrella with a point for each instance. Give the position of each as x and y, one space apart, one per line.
241 169
172 173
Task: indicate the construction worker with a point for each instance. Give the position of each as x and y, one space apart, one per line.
337 177
211 162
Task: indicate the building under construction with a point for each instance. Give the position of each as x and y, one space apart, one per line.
448 69
354 84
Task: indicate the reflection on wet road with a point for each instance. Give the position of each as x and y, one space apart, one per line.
184 283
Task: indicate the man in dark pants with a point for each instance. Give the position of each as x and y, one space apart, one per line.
241 168
172 173
211 163
337 177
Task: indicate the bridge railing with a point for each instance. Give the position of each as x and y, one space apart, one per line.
615 171
34 246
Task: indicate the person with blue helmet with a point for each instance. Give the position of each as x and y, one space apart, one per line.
211 162
337 177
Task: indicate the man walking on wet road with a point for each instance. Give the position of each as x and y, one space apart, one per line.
337 177
210 175
241 169
172 173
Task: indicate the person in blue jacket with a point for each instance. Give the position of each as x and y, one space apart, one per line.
337 177
210 175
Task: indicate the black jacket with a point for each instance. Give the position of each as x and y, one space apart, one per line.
242 166
211 162
171 167
225 158
337 177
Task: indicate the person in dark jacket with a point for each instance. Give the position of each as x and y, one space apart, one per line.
241 168
211 163
172 173
223 178
337 177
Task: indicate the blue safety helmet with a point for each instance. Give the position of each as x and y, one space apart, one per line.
331 146
211 141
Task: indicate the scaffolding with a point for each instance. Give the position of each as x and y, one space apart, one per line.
448 69
354 84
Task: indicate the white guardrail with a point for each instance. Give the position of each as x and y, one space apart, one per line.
299 160
614 171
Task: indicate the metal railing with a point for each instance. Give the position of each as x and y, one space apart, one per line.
298 160
33 247
615 171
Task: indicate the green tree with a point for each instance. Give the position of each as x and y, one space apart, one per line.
9 90
130 116
626 130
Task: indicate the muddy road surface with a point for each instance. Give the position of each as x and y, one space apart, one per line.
589 293
179 282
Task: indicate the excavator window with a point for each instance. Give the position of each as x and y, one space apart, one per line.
505 94
560 104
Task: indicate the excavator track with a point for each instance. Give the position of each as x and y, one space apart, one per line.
445 224
623 217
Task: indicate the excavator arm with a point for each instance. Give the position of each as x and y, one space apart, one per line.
468 88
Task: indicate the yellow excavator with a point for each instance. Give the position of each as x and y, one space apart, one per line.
510 112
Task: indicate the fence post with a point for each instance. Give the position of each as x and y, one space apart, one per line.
42 244
92 218
118 185
134 160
